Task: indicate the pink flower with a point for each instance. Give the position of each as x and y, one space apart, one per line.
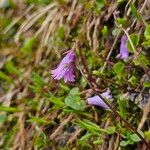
124 53
65 68
96 100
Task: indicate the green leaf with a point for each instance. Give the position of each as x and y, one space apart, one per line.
37 83
146 43
11 68
124 143
133 80
28 45
134 138
5 77
98 5
142 59
135 41
40 141
118 67
96 72
136 62
61 32
9 109
86 136
110 130
38 2
120 1
74 91
38 121
64 87
37 79
121 21
94 128
134 11
98 142
83 82
105 31
147 32
35 89
122 107
75 102
2 118
115 31
57 101
86 124
9 136
146 84
147 135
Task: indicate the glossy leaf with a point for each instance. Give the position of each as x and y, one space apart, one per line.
118 67
135 41
147 32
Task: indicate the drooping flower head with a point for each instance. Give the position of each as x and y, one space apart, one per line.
65 68
96 100
124 53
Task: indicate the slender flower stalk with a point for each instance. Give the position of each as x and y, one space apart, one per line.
96 100
65 68
124 53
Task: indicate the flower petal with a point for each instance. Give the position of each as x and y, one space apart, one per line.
107 94
65 68
124 53
96 100
69 76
